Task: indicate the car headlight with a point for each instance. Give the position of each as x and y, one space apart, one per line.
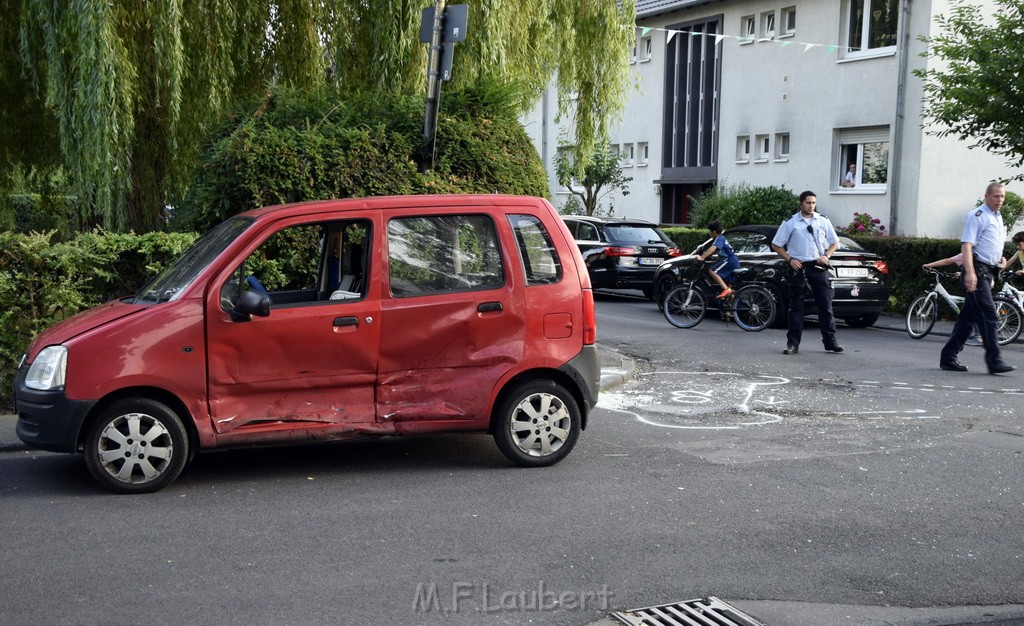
48 370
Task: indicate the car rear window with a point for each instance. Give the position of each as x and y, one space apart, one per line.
633 233
845 243
540 259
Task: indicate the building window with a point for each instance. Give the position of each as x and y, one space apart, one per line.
743 149
762 143
628 155
862 159
873 25
642 153
748 29
632 52
646 48
768 25
781 146
788 25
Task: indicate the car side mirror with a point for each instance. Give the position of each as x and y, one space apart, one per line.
250 303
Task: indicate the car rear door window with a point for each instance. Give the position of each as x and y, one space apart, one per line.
539 257
443 253
745 242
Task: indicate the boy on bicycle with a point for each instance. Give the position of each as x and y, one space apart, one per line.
722 271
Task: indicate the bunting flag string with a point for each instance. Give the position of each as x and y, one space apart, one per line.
670 33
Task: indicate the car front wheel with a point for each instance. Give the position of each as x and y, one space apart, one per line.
137 445
665 284
537 423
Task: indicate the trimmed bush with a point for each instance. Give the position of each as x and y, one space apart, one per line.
737 205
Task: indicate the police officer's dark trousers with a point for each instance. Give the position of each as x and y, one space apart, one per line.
979 309
821 286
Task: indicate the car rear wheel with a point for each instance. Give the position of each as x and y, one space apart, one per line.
861 321
138 445
537 423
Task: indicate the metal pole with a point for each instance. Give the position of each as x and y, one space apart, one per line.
434 71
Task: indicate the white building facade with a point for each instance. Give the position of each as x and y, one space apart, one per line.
786 93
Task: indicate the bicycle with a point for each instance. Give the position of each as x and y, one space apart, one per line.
1009 291
751 306
924 311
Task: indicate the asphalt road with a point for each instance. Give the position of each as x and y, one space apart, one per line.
863 488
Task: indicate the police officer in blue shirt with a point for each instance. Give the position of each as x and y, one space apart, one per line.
982 244
806 241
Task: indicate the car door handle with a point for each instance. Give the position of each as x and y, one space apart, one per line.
346 321
486 307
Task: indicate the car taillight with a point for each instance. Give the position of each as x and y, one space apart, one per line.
671 252
617 251
589 318
882 267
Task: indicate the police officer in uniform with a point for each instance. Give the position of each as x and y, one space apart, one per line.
807 241
982 244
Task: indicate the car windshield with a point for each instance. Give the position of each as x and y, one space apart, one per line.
169 283
634 233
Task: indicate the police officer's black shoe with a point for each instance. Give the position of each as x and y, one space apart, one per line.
791 350
836 348
1000 368
953 366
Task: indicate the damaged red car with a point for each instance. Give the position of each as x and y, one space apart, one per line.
325 321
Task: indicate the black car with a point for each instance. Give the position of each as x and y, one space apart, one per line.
621 253
860 278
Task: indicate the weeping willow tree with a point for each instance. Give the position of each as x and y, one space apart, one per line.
132 86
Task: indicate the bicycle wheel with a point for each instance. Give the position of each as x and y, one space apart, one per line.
1009 320
684 307
753 308
921 316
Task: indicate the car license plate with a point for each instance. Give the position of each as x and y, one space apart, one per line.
647 260
853 272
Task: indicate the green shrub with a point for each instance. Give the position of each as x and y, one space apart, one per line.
737 205
312 145
44 280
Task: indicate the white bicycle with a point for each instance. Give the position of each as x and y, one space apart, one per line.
924 311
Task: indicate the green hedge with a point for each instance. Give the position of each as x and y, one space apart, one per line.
44 280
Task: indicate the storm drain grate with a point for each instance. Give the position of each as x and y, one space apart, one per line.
708 611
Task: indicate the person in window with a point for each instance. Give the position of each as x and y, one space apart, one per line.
722 271
850 179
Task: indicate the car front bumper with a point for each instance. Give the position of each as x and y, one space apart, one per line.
48 420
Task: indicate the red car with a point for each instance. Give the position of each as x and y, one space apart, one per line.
324 321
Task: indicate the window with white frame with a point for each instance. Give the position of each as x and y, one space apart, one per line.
748 29
872 25
633 51
763 145
646 48
628 155
862 158
642 153
781 146
743 148
787 25
768 25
